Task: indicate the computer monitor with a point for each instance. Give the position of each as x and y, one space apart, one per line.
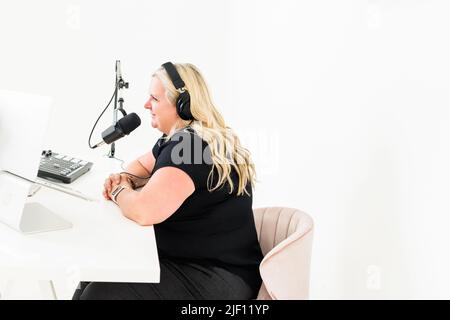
23 124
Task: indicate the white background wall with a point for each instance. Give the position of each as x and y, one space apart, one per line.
344 105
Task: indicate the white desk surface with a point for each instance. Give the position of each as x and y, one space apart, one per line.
102 245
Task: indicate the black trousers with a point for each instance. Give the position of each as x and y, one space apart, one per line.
178 281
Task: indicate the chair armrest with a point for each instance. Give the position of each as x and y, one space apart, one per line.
285 269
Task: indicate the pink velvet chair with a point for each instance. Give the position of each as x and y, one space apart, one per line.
285 236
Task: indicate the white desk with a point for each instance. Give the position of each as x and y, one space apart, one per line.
102 245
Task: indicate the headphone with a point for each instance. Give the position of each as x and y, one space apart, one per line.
183 103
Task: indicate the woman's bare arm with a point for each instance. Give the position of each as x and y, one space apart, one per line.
141 167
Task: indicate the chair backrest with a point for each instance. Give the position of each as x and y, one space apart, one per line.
285 236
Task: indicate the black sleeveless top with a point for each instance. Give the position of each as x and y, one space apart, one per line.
211 228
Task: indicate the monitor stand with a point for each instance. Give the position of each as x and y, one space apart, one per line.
21 215
36 218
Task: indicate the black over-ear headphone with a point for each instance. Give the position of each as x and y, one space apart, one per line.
183 103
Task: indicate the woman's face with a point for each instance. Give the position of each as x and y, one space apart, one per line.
164 114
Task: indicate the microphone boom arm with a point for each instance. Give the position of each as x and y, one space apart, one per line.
120 84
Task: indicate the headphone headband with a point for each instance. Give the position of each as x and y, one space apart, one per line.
174 76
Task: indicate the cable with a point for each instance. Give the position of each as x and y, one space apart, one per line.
130 174
121 162
95 124
134 185
127 173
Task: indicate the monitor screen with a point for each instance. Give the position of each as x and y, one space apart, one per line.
23 124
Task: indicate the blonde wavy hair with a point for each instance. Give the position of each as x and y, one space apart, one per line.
226 149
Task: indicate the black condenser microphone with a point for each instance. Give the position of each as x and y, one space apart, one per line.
123 127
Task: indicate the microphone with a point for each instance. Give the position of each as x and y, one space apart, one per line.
123 127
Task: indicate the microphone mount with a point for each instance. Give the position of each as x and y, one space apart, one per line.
123 84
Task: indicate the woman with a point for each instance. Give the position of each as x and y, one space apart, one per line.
198 198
